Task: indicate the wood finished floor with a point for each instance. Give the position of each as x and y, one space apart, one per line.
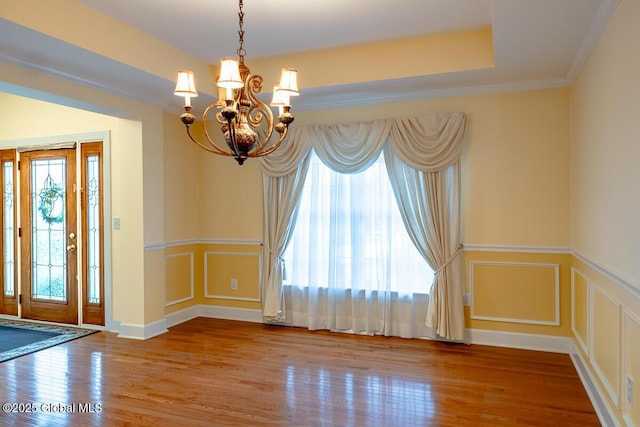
209 372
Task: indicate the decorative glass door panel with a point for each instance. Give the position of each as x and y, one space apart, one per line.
93 235
48 230
49 258
8 219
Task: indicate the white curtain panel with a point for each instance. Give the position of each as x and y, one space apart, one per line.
422 156
280 198
351 251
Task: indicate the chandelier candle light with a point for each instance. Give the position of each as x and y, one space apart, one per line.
239 111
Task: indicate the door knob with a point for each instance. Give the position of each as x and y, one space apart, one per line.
71 248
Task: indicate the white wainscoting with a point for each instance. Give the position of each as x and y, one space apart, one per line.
610 349
629 320
583 341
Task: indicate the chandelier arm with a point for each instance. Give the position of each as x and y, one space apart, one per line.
210 140
269 118
219 117
271 148
259 109
214 150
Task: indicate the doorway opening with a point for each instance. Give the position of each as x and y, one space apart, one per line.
53 235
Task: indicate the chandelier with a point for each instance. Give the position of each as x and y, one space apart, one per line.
238 111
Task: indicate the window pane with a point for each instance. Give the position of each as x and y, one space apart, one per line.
8 229
93 229
349 234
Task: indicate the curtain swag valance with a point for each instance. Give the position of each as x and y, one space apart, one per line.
427 143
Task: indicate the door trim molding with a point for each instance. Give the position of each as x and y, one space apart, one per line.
50 142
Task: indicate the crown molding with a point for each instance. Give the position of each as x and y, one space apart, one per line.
598 24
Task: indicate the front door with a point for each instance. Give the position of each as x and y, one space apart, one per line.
48 234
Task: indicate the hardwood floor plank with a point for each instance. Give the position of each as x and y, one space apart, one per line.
216 372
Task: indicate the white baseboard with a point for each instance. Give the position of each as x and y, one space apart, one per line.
521 341
143 332
181 316
477 336
139 332
230 313
215 312
113 325
598 400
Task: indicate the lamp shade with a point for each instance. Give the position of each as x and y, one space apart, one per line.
289 82
185 85
229 74
280 98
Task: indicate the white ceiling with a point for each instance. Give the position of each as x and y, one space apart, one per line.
537 43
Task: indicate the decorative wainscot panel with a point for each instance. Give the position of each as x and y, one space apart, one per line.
605 340
580 309
515 292
180 281
230 275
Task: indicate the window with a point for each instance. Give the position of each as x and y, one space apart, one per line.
349 235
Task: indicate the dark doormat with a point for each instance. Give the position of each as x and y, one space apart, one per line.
18 338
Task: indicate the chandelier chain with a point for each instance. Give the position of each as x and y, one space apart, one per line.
241 52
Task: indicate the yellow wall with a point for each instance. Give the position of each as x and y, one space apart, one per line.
515 181
28 118
515 184
605 232
605 149
182 183
380 61
231 198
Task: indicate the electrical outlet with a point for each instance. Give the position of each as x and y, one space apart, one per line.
234 284
630 390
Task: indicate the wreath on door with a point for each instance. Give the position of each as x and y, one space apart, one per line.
51 197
